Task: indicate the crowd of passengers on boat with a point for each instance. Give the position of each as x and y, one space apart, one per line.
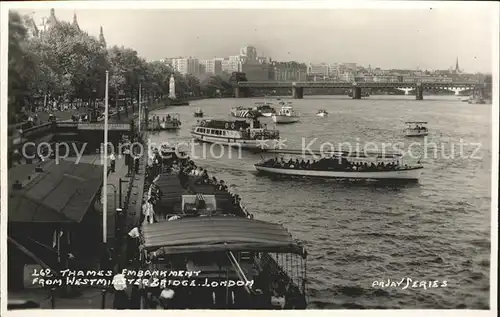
167 118
340 164
186 169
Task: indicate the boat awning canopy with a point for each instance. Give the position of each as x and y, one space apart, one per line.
218 234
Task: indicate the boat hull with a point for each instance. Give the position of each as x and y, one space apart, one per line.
256 145
412 133
267 114
407 174
322 114
198 115
285 119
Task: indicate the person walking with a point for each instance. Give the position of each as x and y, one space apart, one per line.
113 162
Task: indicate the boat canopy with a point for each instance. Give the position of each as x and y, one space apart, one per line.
416 122
218 234
336 153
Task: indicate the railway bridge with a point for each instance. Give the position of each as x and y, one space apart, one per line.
356 87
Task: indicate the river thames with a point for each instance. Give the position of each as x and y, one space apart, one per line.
362 236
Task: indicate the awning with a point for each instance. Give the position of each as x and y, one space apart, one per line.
218 234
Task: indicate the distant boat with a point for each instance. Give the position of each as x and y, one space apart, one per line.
241 112
265 109
198 113
286 115
322 113
247 135
169 122
416 128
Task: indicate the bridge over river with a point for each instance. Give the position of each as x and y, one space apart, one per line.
356 87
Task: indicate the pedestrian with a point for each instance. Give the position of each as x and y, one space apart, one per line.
113 162
136 165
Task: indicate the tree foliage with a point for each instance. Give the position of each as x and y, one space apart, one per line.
65 63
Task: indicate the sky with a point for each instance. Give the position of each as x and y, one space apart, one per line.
430 38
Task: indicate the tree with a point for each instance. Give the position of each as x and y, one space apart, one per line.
20 67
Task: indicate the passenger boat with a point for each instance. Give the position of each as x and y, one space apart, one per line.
233 261
250 135
322 113
416 128
265 109
198 113
241 112
376 166
169 122
286 115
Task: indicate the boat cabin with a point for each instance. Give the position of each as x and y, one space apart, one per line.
286 111
238 129
416 125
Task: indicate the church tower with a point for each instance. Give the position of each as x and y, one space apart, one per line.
75 22
52 20
457 69
101 38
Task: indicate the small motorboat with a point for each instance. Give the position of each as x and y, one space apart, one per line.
322 113
286 114
265 109
416 128
198 113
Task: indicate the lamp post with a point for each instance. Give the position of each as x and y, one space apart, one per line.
140 107
105 167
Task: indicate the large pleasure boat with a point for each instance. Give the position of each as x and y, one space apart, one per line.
249 134
376 166
232 260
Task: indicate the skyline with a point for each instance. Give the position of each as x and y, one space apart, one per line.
424 38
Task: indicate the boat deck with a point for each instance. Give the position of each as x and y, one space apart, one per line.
172 191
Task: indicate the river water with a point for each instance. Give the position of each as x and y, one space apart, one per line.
358 233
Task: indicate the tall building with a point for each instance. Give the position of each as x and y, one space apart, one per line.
250 53
186 65
263 60
288 71
350 66
232 64
212 66
318 69
256 72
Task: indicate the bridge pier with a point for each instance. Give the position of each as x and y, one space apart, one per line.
237 92
356 93
297 92
419 92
